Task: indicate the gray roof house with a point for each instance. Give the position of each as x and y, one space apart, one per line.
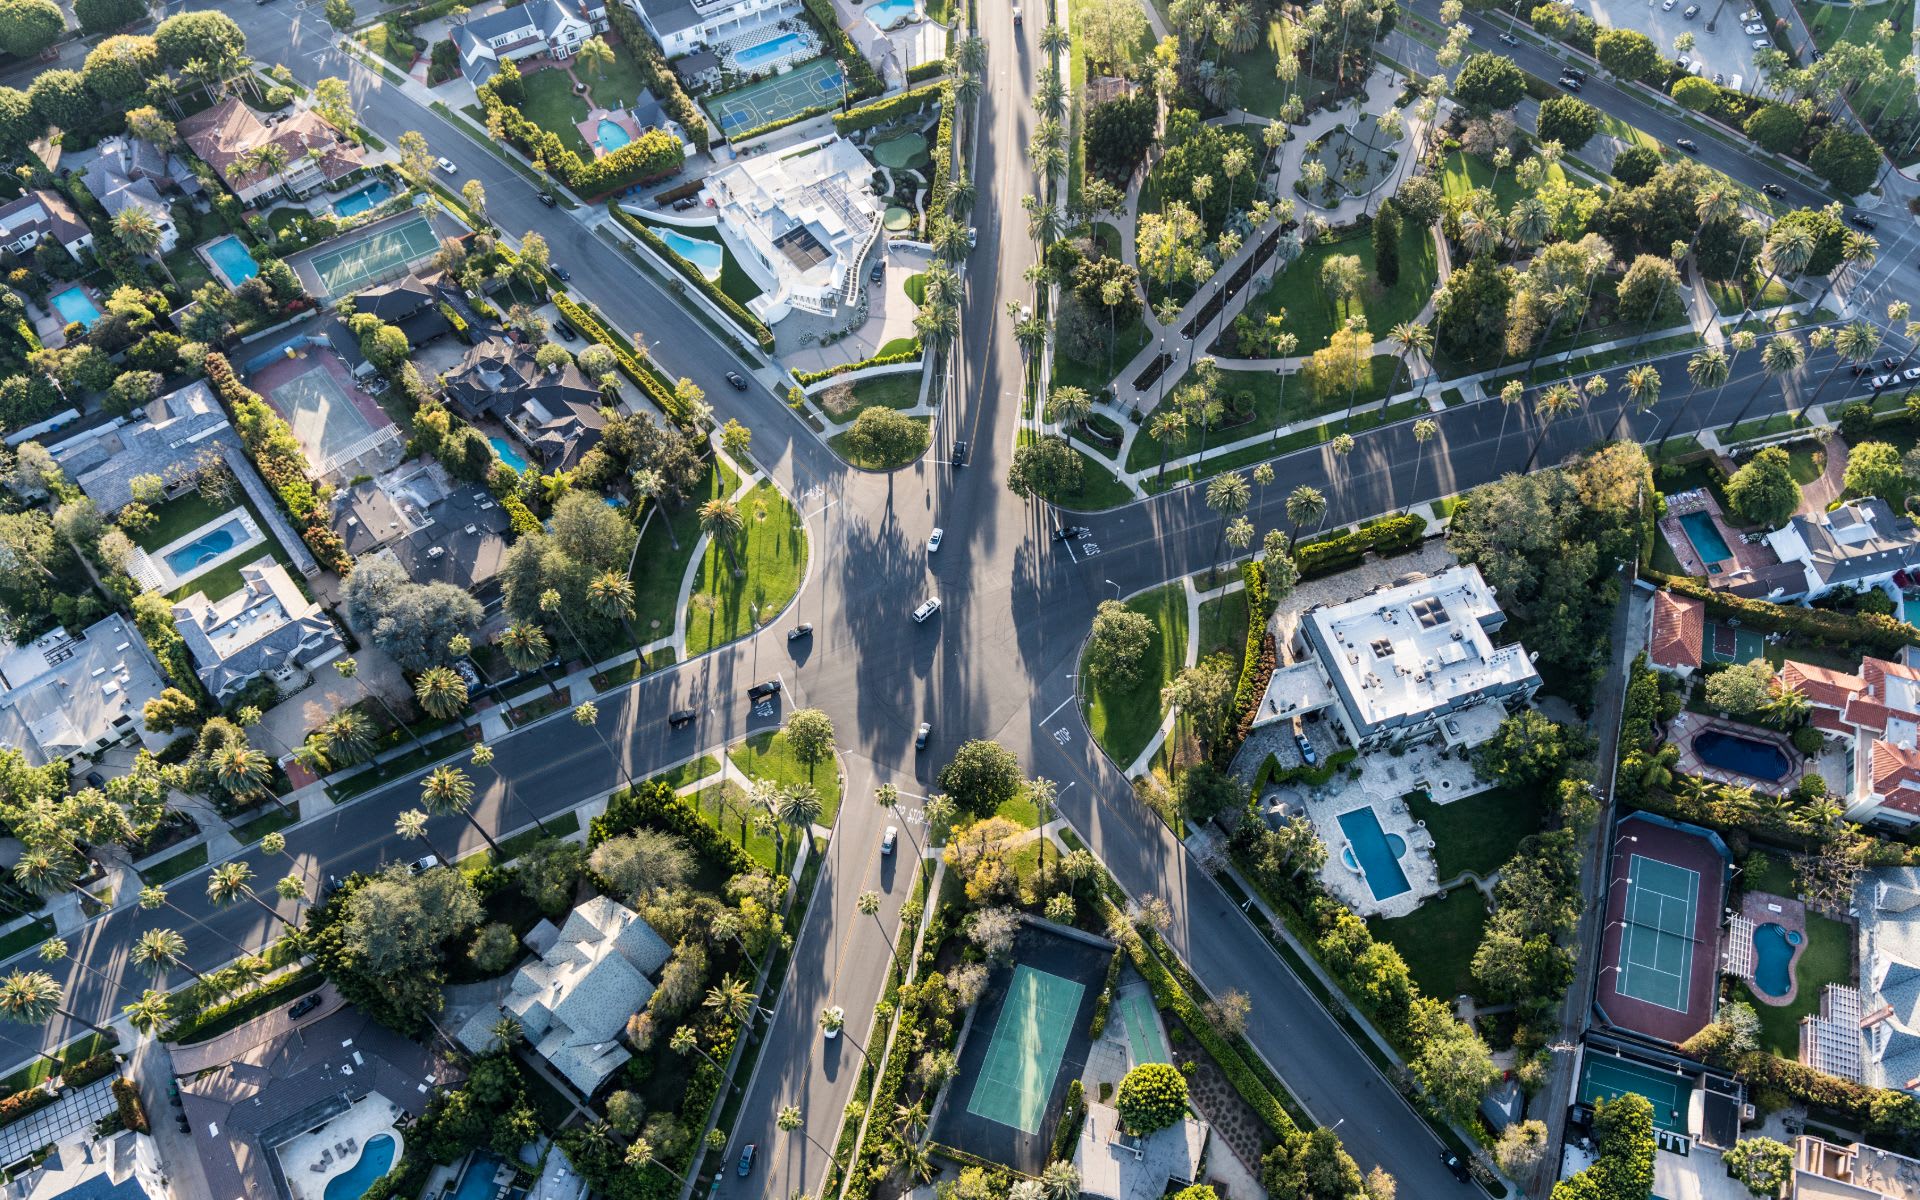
1860 544
105 461
129 173
437 530
265 628
573 1001
61 696
1887 905
555 412
122 1166
42 214
551 27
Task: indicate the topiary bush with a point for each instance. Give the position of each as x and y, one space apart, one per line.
1152 1097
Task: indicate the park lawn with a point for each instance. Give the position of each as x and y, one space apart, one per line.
620 86
275 818
1437 940
1129 340
772 554
893 346
1827 959
1732 297
1462 172
1099 487
843 446
1261 91
552 105
382 41
1269 411
1123 717
1476 833
1223 626
1312 318
734 280
724 806
768 756
658 566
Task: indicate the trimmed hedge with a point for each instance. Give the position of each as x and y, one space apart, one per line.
654 805
1098 1025
878 360
133 1117
1257 660
1073 1114
1348 547
187 1027
270 443
1884 636
942 151
886 109
930 69
733 308
632 367
1272 772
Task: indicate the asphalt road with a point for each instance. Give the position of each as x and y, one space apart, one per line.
996 662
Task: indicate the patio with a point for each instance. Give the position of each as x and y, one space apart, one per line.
312 1159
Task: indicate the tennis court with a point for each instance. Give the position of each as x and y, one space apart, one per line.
1727 643
1028 1043
376 256
1656 946
1608 1078
806 86
334 427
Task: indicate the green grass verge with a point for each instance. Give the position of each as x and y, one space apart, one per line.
1123 717
169 869
40 1069
771 552
768 756
688 772
1277 400
31 934
660 565
264 824
406 764
1223 626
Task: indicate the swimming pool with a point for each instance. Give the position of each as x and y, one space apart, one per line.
1910 611
753 58
232 258
1377 852
507 453
1741 755
612 135
1705 536
375 1157
371 196
477 1183
209 545
701 253
1773 948
888 13
75 306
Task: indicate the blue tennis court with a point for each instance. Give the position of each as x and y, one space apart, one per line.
1656 945
808 85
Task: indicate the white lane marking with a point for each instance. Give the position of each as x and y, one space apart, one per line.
1056 708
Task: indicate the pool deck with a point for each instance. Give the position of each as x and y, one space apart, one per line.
311 1160
151 570
1689 725
1763 908
590 129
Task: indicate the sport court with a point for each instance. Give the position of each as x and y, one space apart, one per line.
335 425
808 85
379 254
1028 1043
1656 948
1605 1077
1732 644
1661 938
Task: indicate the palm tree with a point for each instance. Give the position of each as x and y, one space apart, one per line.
1706 369
1643 392
150 1012
595 55
442 693
721 522
411 824
140 233
447 789
1424 431
160 949
1306 505
1854 343
33 998
868 902
1069 406
1783 353
1410 336
798 806
1560 398
610 595
348 736
228 882
887 796
348 668
1061 1181
154 896
1788 250
1862 249
790 1121
1166 425
1228 495
1529 223
245 773
1714 204
684 1042
1559 302
732 999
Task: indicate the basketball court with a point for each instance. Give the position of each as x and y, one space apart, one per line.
1605 1077
1728 643
808 85
358 261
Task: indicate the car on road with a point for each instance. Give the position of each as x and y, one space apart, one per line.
799 631
680 718
1683 62
764 689
1860 220
304 1005
739 383
548 199
1889 363
1509 39
1687 144
933 539
929 607
1690 12
446 164
1570 83
1069 532
878 272
1774 190
1016 16
1753 28
746 1159
560 272
959 454
1763 43
1451 1161
1574 73
419 865
923 735
1667 5
889 839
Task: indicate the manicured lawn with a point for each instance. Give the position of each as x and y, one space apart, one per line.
734 280
1830 21
31 934
37 1072
1828 958
1462 172
1128 340
179 517
1269 412
1099 487
1807 461
1312 318
771 551
382 41
688 772
901 345
552 105
768 756
1769 873
659 565
844 448
621 84
1438 940
1733 297
915 286
172 868
1223 626
724 806
1478 833
264 824
1261 92
1124 717
900 391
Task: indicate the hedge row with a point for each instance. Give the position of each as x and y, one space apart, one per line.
733 308
657 73
655 154
930 69
1072 1115
942 165
886 109
634 369
1349 546
1098 1025
133 1117
187 1026
866 81
270 444
906 1034
805 114
1878 1110
655 806
878 360
1257 660
1272 772
18 1105
1882 635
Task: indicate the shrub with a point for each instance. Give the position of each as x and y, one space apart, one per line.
1257 660
1152 1096
1349 546
1073 1114
879 112
878 360
648 381
733 308
655 806
653 155
133 1117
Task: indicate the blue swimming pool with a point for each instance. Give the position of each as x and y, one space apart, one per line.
211 544
1705 536
1773 948
701 253
477 1183
888 13
1741 755
507 453
1910 611
375 1157
1378 853
754 58
371 196
611 135
231 257
74 305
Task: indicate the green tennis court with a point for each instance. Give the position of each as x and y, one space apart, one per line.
808 85
1608 1078
1029 1040
383 253
1656 944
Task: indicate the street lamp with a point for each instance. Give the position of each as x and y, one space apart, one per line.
1115 587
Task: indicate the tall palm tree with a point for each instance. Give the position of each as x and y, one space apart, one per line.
1555 401
140 233
1859 249
789 1120
1228 495
1708 368
1306 505
1069 406
1512 392
1559 302
442 693
798 806
1643 392
411 824
721 522
1852 343
153 1010
868 902
1424 431
33 998
610 595
447 789
158 950
229 882
349 668
1166 425
1715 203
349 737
1783 354
1410 336
595 55
1788 250
732 1000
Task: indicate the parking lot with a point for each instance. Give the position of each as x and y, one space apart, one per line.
1728 51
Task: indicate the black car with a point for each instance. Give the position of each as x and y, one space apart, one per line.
1687 144
1888 364
760 691
683 204
959 454
878 272
1860 220
1858 369
1453 1162
798 632
548 199
1070 532
680 718
567 332
304 1005
922 735
560 272
734 378
1774 190
1574 73
96 780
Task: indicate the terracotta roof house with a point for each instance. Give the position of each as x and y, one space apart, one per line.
227 135
43 214
1877 712
265 628
1678 627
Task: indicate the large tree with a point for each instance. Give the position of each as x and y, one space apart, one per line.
1568 120
204 34
29 26
1152 1096
413 623
381 940
1848 161
982 776
1118 644
1628 53
1763 491
1488 82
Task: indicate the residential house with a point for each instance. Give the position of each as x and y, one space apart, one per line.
118 1166
230 137
1116 1165
573 1000
1824 1171
163 439
1861 544
126 172
1886 905
1676 633
699 70
555 412
683 26
43 215
437 530
1406 662
415 304
1875 713
554 28
800 222
62 696
266 628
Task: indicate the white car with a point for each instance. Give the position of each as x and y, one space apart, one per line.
1699 66
1753 28
1667 5
889 839
1880 381
1762 43
1692 11
1683 62
1752 14
1910 374
446 164
933 542
926 610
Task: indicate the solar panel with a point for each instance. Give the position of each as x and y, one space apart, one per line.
802 249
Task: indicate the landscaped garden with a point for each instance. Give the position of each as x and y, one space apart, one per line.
1438 940
1476 833
748 578
1124 716
1313 312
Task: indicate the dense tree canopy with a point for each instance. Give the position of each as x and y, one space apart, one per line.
29 26
411 622
204 34
1628 53
982 776
1777 127
1568 120
1763 491
1152 1096
1488 82
1848 161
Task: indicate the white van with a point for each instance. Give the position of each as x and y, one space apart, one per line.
926 610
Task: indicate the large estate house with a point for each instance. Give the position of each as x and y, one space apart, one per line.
231 138
61 695
266 628
1876 715
683 25
42 215
554 28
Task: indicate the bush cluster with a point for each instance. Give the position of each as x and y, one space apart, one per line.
270 444
655 806
733 308
187 1026
1348 547
133 1117
1257 660
879 112
1271 772
632 367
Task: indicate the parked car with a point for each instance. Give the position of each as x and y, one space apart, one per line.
738 382
1667 5
1752 14
1737 83
560 272
1687 144
419 865
1509 39
684 203
933 541
96 780
889 839
1570 83
1016 16
923 735
1574 73
799 631
878 272
1719 80
764 689
1453 1162
1763 43
1774 190
304 1005
446 164
1690 12
1684 61
1911 374
959 454
1881 381
548 199
746 1159
680 718
1753 27
926 609
567 332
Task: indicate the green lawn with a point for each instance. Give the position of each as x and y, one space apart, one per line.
659 566
172 868
1123 717
264 824
1807 461
734 280
552 105
1769 873
181 516
1262 92
1828 958
1462 172
177 518
915 286
688 772
768 756
724 806
771 551
1438 940
842 446
1478 833
1223 626
1099 487
900 391
31 934
1277 400
1312 318
40 1069
1299 439
1128 340
383 41
621 84
1830 21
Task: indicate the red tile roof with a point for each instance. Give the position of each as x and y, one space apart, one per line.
1679 628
